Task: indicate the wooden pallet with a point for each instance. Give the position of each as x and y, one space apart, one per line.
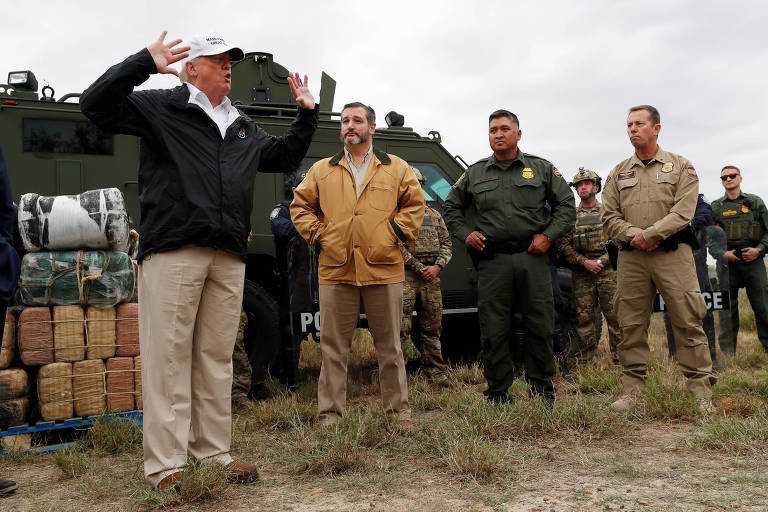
52 426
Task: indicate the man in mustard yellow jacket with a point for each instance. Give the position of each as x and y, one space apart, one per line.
359 205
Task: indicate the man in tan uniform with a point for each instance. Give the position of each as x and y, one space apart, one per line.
649 201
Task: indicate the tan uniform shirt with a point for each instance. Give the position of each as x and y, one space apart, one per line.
657 199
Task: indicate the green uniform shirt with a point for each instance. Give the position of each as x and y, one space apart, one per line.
508 200
744 220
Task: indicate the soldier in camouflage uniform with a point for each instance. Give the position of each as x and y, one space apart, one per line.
424 259
241 367
593 277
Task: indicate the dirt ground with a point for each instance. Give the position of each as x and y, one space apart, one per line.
646 470
639 463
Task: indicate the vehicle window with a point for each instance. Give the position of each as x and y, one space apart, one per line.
437 186
62 136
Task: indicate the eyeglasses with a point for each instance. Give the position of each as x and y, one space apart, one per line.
728 177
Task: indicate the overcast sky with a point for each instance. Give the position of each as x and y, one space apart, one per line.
569 70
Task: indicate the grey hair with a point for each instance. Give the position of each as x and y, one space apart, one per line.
183 72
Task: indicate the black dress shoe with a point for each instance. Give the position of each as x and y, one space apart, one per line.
7 486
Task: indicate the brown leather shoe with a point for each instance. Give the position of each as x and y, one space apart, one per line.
241 473
170 483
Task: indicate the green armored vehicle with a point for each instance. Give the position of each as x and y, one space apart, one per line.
52 149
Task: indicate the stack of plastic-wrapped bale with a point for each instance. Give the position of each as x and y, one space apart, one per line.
78 327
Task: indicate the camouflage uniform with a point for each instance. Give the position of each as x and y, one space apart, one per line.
432 247
241 367
585 242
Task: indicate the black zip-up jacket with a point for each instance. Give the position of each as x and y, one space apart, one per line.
194 187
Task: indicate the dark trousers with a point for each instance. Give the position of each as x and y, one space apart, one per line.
3 307
751 276
506 284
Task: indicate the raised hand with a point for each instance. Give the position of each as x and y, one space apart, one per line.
300 91
164 54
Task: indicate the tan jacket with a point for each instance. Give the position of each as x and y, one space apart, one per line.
658 199
359 235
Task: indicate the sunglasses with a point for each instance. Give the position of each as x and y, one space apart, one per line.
728 177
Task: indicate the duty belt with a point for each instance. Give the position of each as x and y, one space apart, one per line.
492 247
510 246
684 236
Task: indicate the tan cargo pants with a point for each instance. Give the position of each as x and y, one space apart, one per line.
673 273
339 311
189 307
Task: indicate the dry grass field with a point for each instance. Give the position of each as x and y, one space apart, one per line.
462 454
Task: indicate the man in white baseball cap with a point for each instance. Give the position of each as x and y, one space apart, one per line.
212 44
199 158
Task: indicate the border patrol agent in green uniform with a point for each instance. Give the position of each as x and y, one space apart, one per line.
507 209
744 219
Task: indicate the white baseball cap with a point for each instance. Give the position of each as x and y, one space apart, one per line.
211 44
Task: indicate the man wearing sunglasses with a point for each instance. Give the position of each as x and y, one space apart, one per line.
744 219
649 201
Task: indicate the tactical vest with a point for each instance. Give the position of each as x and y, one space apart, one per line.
588 235
426 247
741 223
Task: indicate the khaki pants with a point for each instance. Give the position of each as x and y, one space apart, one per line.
673 273
339 310
189 307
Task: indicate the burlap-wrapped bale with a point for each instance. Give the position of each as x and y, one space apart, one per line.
100 326
54 391
35 336
88 387
8 345
128 330
95 219
95 278
137 382
68 334
120 384
13 412
14 383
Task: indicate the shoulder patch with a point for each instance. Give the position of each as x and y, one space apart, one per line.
608 179
273 215
692 172
556 172
461 178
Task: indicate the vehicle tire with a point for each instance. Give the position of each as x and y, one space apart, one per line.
262 339
460 339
